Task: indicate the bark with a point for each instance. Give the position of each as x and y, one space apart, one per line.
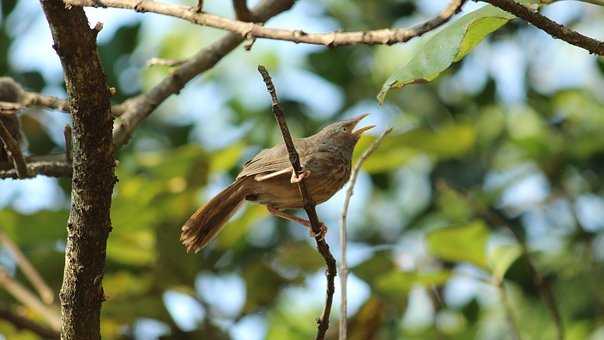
93 170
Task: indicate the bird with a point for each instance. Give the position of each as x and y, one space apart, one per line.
269 179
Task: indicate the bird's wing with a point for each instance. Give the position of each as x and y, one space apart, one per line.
272 162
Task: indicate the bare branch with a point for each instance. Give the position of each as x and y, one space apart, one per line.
251 30
549 26
27 298
51 166
138 108
13 151
309 205
165 62
93 177
28 269
20 322
344 234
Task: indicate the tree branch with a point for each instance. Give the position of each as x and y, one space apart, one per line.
13 151
139 108
549 26
93 179
251 30
20 322
51 165
309 205
27 298
344 235
242 12
28 269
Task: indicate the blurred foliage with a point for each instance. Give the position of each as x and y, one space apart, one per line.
446 202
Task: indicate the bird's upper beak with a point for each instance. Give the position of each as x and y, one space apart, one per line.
358 132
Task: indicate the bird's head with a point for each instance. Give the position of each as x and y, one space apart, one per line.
343 133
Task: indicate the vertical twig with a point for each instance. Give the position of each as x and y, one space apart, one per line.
13 151
344 235
309 205
28 269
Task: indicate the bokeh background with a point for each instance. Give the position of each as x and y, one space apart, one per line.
503 150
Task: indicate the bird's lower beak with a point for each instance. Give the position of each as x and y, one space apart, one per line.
358 132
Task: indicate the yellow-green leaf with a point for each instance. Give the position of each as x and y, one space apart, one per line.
466 243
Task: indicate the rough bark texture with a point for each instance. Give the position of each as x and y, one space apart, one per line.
93 170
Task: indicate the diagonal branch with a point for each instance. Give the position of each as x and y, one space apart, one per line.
344 234
549 26
20 322
13 151
139 108
27 298
250 30
242 12
28 269
309 205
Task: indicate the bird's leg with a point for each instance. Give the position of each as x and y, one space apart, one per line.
294 218
296 179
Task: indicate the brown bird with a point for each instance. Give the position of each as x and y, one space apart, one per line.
269 179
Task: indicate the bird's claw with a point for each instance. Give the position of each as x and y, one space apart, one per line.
321 233
297 178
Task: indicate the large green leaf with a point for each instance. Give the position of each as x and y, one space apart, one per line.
398 283
466 243
501 258
434 52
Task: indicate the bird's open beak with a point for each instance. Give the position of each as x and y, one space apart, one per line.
358 132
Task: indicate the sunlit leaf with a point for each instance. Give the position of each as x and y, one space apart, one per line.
299 255
226 158
398 283
131 247
501 258
466 243
237 228
434 52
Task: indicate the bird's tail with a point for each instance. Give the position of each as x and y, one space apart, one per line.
207 221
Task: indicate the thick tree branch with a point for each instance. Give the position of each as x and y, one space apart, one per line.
93 178
13 151
549 26
251 30
28 269
27 298
309 205
242 12
344 235
139 108
20 322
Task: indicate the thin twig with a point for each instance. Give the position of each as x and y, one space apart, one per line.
246 29
49 165
344 234
20 322
165 62
13 151
28 269
549 26
27 298
309 205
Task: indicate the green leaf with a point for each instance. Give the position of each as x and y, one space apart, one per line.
466 243
447 141
501 258
299 255
398 283
435 51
